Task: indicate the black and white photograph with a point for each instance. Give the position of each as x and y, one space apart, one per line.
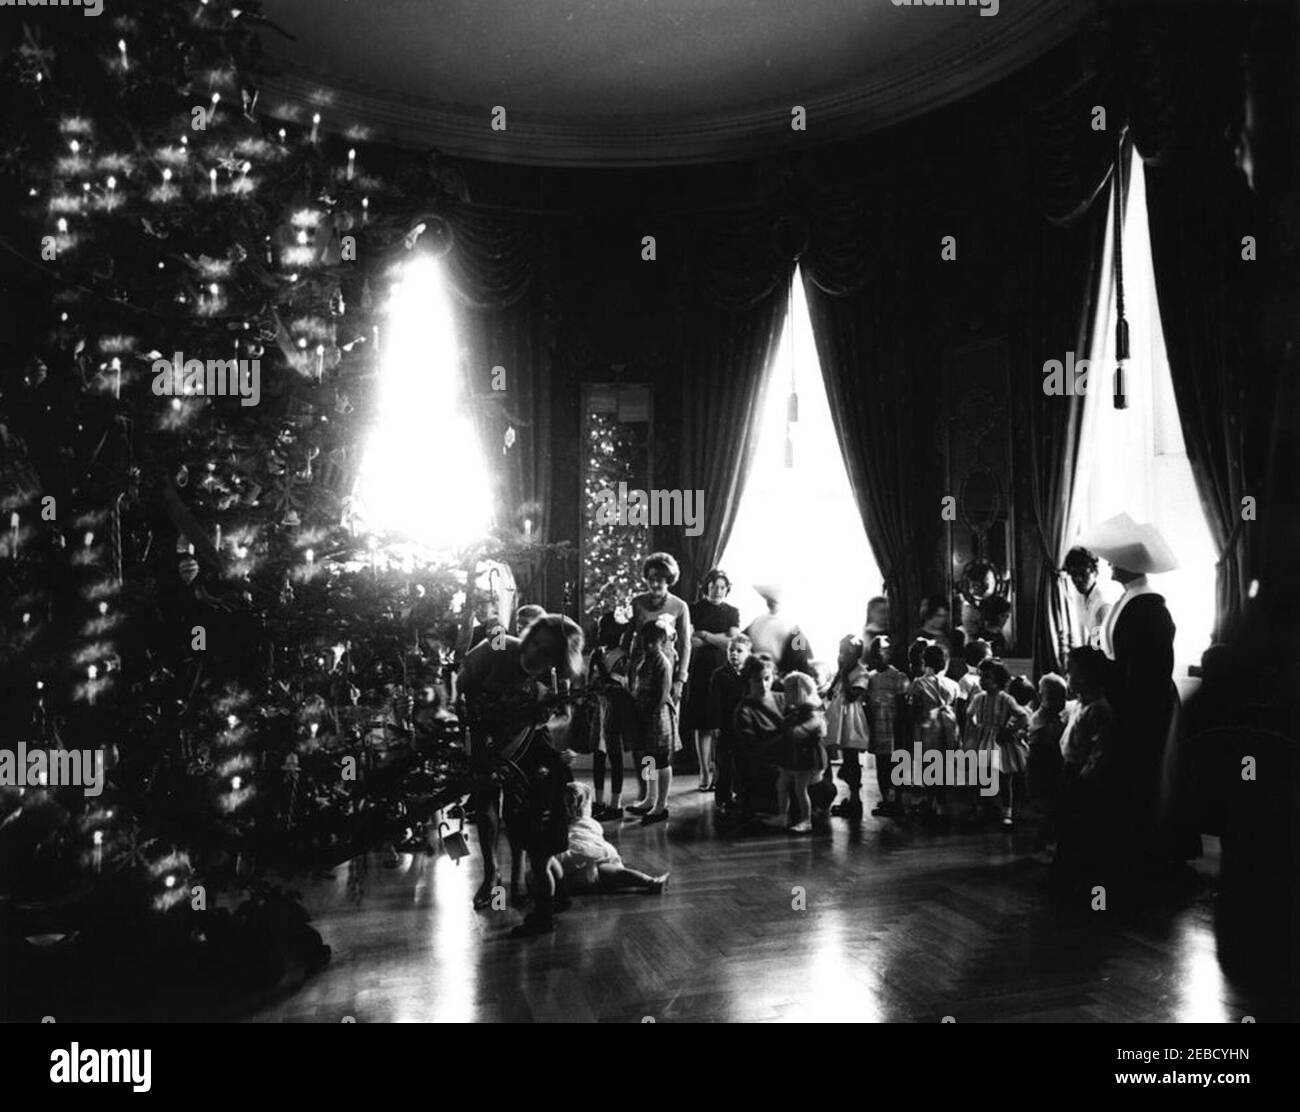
651 511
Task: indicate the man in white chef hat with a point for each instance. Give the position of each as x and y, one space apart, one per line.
1138 635
1134 550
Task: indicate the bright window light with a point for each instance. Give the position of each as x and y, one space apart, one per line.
422 475
799 526
1134 460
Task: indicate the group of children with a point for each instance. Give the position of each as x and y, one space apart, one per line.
777 737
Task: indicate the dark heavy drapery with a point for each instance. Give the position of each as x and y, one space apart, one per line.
492 265
726 359
862 292
861 351
1198 214
1064 293
736 283
515 339
858 305
1186 72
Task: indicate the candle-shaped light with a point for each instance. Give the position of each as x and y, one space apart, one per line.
320 362
212 180
98 840
311 557
13 533
315 126
528 528
352 162
121 47
555 684
365 210
116 365
92 675
167 175
218 538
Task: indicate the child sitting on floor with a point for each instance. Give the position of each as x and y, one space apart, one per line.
591 863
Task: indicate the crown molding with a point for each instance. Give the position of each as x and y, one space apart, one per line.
916 83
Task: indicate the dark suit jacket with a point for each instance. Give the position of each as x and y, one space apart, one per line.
1144 697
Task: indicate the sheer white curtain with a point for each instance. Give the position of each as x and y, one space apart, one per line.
1134 460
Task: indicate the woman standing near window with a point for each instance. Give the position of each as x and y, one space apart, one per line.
715 622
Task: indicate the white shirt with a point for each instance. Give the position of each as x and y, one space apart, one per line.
1135 587
1092 609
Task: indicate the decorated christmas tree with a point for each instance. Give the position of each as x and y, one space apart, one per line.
186 583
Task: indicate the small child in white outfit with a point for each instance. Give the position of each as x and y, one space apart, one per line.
591 863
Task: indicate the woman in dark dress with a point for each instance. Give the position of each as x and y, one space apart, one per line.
714 623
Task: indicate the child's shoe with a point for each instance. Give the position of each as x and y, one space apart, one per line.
804 827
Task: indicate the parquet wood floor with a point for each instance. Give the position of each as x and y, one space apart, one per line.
898 925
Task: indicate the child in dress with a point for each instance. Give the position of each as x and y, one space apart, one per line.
973 655
886 691
656 718
1043 778
726 689
800 752
591 863
934 721
757 725
996 724
846 722
608 677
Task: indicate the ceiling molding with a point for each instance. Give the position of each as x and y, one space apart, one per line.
914 83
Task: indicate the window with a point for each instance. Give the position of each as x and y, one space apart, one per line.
1134 460
423 476
799 525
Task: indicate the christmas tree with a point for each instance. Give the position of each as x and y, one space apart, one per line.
186 583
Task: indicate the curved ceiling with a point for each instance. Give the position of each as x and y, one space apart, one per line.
638 82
